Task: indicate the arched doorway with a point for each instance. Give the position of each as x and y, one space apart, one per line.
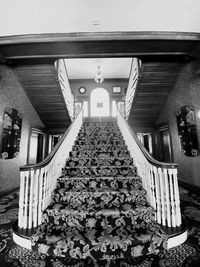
99 103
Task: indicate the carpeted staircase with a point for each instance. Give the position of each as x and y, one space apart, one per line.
99 208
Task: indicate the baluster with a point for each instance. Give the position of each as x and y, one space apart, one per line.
177 200
157 195
153 196
25 222
41 178
167 201
44 189
30 219
48 180
162 189
21 200
50 177
36 193
172 198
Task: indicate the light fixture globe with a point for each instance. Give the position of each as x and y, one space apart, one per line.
99 76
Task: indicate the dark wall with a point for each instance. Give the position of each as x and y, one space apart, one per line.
90 85
185 92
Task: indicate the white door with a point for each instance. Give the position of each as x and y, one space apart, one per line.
100 103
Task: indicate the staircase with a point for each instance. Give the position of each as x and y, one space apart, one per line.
99 208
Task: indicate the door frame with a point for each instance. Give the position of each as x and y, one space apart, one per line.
160 128
42 151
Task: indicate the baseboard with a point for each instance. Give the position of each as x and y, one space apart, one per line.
193 188
8 191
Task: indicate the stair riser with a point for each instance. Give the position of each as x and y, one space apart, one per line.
99 171
99 148
115 183
96 220
109 197
99 154
96 142
73 162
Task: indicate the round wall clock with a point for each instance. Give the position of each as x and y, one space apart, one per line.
82 90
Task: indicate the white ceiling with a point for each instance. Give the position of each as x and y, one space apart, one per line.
87 68
63 16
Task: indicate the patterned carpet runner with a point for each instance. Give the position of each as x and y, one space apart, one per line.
99 208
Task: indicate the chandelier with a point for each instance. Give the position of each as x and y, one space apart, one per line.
99 76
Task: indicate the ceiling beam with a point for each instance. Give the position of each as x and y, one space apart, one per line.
91 36
148 46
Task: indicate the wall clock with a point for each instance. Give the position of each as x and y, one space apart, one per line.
82 90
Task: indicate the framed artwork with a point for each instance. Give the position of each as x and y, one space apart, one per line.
10 143
116 90
187 130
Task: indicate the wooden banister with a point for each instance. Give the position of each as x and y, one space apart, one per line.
37 181
159 179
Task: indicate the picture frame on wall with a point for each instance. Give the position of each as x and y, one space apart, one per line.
116 89
187 130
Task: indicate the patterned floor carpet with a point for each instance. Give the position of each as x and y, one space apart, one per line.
185 255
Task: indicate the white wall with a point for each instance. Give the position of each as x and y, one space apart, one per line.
61 16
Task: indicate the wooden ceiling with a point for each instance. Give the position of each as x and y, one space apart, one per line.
156 80
43 90
162 55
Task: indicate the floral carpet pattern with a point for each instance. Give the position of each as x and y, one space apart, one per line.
114 225
99 209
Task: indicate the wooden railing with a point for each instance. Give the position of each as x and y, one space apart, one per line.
159 179
65 86
132 85
39 180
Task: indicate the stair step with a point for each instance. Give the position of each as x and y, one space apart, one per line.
100 154
98 136
107 196
100 142
94 171
100 148
100 243
72 161
116 183
94 215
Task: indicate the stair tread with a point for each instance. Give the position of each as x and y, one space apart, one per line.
102 190
98 195
101 167
106 209
116 182
129 178
96 171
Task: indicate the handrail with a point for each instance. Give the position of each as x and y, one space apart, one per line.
38 181
147 154
51 154
159 179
